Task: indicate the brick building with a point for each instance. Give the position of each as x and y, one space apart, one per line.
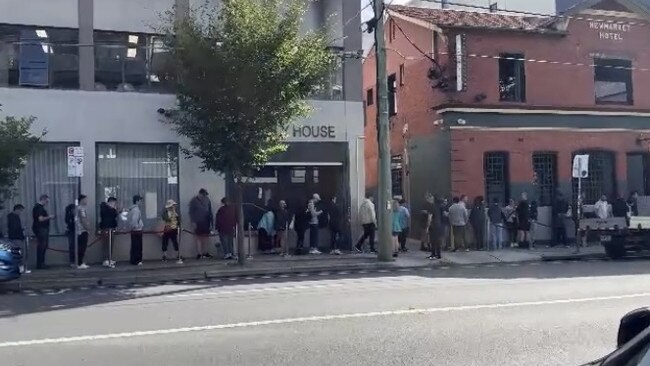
494 104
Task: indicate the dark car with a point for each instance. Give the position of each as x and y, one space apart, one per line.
11 260
633 341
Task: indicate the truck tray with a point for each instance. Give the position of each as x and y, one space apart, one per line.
612 223
640 222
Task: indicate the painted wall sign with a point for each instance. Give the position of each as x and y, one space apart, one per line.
610 30
325 132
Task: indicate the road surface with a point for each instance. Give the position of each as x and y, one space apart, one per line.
559 313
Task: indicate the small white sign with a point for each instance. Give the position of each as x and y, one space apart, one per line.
75 162
580 166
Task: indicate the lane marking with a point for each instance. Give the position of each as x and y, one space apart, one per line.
255 290
309 319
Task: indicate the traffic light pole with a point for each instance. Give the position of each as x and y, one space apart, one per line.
384 198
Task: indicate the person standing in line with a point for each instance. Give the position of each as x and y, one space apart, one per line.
282 221
15 230
560 209
458 218
266 231
523 220
510 219
427 211
496 222
83 229
477 220
136 226
533 222
435 230
226 225
335 223
300 226
314 226
405 223
446 227
201 217
41 229
396 227
368 219
107 224
602 207
69 219
172 221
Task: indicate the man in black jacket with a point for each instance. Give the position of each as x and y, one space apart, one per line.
41 229
15 230
107 225
335 216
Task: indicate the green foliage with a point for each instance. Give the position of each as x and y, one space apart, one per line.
16 144
243 74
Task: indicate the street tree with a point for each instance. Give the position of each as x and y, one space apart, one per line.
16 144
242 75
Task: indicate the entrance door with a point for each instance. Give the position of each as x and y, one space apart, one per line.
637 172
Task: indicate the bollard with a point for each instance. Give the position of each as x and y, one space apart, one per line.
178 239
249 255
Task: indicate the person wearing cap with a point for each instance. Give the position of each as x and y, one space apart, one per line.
137 226
172 221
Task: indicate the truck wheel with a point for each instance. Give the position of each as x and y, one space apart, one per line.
615 251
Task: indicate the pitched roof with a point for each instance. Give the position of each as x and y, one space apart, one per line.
467 19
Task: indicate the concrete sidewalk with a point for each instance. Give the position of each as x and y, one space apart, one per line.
157 272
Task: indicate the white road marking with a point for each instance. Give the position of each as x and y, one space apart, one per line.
309 319
255 290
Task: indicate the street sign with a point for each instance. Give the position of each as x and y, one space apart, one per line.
75 162
580 166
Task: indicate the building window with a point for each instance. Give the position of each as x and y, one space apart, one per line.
495 173
613 81
46 172
512 77
298 175
601 179
150 170
545 178
392 30
332 89
397 175
39 57
401 75
131 62
392 95
370 97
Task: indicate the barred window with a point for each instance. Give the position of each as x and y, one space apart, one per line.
397 173
601 179
495 172
545 180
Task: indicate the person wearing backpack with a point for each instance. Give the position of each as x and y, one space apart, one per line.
136 226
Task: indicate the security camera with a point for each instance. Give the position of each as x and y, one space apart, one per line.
583 173
461 121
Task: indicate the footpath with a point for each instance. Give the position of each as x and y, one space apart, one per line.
156 272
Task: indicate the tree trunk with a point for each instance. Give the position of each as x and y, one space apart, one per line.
239 199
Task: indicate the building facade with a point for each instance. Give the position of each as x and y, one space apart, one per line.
495 105
90 71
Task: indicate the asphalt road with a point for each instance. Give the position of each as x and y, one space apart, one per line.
528 314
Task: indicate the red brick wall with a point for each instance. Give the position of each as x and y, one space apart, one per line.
469 146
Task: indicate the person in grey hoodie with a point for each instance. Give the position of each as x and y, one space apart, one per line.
136 226
458 217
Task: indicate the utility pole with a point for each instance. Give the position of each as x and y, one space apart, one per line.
383 206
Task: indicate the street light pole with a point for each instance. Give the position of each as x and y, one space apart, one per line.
383 206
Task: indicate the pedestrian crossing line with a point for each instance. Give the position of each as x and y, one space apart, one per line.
309 319
534 264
